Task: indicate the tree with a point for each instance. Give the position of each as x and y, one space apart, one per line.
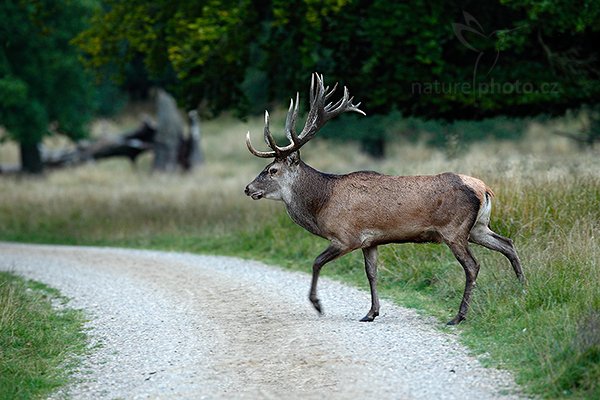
43 86
435 59
205 43
440 59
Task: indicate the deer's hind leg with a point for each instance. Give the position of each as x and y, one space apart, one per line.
484 236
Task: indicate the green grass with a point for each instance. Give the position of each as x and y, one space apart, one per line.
38 341
547 201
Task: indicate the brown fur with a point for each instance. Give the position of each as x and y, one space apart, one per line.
370 209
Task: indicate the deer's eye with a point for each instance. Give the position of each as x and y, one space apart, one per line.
273 170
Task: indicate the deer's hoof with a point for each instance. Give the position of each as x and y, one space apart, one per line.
369 317
456 320
317 305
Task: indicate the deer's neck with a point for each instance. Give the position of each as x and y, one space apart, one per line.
308 194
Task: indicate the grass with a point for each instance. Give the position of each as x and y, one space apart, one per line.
37 338
547 201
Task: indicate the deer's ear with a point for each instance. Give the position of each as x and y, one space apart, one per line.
293 158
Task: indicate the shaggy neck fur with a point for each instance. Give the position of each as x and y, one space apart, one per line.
309 193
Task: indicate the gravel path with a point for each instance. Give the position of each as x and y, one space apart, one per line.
173 325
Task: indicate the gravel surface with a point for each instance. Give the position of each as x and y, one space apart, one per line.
174 325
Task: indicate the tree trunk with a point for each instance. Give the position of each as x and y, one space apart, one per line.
169 133
31 158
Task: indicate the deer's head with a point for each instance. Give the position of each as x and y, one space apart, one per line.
276 179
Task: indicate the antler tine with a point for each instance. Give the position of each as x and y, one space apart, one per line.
334 108
316 106
342 105
317 93
355 107
290 120
320 113
268 140
293 130
268 137
257 153
312 91
328 92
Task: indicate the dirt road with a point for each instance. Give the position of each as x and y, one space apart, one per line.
172 325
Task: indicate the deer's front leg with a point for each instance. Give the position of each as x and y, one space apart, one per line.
332 252
370 254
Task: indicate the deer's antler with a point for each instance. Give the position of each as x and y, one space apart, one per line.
318 115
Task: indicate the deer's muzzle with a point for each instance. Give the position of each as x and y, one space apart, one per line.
255 194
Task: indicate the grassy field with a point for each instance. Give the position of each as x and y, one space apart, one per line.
37 339
547 201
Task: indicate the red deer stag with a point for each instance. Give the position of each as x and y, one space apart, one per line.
363 210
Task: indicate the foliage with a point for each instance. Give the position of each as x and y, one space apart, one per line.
205 43
36 339
42 79
451 60
43 87
410 56
457 60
